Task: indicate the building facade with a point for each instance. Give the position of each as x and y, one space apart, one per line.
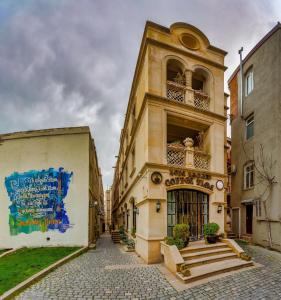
51 189
255 106
171 166
108 210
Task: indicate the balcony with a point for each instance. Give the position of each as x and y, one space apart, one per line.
183 94
179 155
176 91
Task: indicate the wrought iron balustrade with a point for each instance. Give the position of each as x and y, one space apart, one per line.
201 100
176 155
175 91
201 160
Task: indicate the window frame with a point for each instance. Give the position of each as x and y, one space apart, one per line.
249 82
133 160
258 208
250 120
248 183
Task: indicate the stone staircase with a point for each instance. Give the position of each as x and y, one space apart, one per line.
231 235
205 260
247 237
115 236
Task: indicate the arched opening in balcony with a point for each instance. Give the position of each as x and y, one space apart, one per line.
201 88
175 80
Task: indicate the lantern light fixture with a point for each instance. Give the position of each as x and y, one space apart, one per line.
219 209
158 206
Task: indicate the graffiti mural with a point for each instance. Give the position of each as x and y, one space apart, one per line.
37 200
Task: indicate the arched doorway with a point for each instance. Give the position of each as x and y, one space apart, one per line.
188 206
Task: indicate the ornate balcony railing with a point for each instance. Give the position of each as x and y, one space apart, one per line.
183 94
176 155
201 100
180 156
175 91
201 160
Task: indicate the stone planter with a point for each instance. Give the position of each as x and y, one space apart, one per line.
212 239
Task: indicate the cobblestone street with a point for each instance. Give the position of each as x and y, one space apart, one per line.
108 273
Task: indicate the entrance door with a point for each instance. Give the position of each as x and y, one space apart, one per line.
249 219
190 207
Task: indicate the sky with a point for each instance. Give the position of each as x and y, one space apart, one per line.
71 63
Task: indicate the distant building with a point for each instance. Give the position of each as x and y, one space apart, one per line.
108 210
50 188
256 123
171 166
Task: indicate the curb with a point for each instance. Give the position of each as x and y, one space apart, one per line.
23 285
9 252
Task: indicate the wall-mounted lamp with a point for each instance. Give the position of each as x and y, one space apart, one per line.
219 209
158 206
136 210
95 203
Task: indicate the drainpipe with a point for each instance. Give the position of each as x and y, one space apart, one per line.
241 82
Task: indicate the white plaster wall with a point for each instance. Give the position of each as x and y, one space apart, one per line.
37 153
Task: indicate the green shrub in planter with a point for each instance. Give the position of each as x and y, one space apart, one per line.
133 232
181 231
131 244
179 243
121 229
210 232
169 240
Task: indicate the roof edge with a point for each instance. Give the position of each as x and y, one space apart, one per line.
45 132
254 49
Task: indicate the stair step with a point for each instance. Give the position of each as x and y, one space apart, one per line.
216 268
194 247
209 259
206 253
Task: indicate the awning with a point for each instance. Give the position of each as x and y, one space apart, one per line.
247 202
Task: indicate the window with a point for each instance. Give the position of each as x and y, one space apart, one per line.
258 208
133 118
133 159
249 82
249 175
250 127
134 215
126 176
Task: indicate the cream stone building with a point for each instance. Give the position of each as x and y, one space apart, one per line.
171 166
107 208
50 188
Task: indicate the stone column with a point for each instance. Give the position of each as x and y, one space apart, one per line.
189 156
188 83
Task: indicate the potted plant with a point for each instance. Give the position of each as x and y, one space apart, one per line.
169 240
131 245
181 231
210 232
133 232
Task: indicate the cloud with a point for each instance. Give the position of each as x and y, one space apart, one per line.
68 62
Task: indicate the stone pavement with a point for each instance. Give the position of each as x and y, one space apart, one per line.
109 273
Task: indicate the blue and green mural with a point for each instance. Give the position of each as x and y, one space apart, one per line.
37 200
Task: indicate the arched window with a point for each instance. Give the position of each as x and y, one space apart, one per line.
201 87
175 80
175 71
200 80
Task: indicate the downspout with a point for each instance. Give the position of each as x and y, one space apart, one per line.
241 82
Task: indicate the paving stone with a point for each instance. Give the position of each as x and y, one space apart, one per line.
108 273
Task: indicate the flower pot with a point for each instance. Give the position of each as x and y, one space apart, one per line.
186 242
211 239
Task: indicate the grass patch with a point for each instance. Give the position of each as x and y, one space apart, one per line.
24 263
